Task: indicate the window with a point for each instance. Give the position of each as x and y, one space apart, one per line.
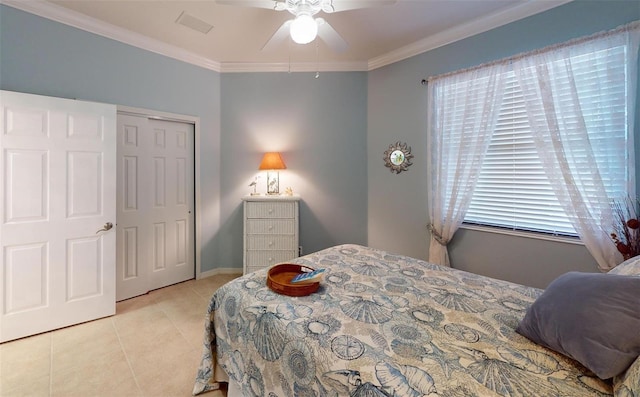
513 190
539 142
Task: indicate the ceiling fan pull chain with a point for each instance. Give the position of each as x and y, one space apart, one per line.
289 54
317 61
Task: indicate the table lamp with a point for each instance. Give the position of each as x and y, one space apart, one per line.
272 161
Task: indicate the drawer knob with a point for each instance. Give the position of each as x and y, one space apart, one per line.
270 210
270 227
270 260
270 243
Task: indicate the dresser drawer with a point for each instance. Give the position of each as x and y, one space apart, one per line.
271 226
270 231
270 242
265 209
261 259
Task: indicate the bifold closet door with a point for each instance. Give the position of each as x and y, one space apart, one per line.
155 233
58 181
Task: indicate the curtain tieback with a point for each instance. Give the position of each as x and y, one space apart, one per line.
437 236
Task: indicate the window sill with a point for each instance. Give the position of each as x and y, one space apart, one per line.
525 234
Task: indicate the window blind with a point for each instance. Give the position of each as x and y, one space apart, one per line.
513 190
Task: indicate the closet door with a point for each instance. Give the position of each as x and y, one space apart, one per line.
155 204
172 203
57 203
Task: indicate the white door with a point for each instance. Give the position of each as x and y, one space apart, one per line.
155 204
58 186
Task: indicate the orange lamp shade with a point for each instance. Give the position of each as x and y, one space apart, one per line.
272 161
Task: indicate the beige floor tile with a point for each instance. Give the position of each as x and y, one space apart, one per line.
35 387
181 311
82 333
170 378
104 373
145 353
206 287
146 319
79 346
151 347
188 303
176 291
192 329
25 360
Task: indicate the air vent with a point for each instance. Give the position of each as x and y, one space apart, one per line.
194 23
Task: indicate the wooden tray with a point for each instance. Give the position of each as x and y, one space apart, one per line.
279 280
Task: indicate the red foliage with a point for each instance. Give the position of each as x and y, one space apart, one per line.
626 235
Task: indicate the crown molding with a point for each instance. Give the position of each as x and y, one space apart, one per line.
77 20
480 25
247 67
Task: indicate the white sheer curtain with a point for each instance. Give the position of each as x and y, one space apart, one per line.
553 82
463 109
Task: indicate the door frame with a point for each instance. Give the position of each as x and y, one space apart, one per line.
181 118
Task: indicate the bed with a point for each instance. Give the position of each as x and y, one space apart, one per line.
383 324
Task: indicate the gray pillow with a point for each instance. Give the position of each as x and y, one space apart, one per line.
590 317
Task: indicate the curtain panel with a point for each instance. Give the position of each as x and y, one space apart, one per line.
462 113
555 102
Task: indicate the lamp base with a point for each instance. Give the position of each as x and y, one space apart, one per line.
273 183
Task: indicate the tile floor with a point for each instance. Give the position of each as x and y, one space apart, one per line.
151 347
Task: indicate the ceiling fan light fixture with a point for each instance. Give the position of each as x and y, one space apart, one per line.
304 29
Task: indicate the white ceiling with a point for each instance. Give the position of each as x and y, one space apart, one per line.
376 36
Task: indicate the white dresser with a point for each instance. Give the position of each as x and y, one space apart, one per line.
270 231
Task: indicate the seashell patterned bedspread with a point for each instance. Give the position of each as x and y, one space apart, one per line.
382 325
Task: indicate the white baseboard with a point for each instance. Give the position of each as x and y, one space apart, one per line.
217 272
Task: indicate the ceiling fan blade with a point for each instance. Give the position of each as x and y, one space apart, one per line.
344 5
329 35
277 5
278 37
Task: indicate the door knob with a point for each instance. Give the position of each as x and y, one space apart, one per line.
107 226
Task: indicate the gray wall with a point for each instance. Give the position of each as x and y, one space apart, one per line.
319 126
39 56
332 132
397 111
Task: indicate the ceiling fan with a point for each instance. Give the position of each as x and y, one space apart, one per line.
304 28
